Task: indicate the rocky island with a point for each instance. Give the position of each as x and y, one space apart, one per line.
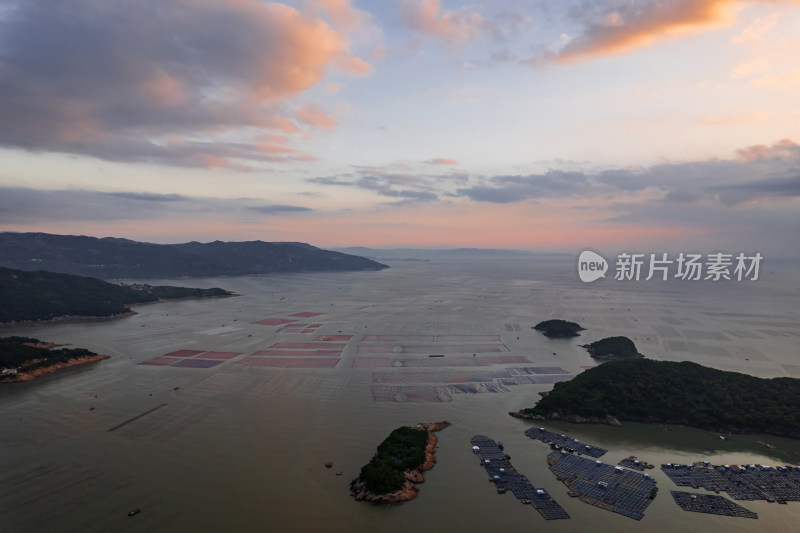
612 348
643 390
392 473
558 329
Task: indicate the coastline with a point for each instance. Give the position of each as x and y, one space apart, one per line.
409 490
35 373
90 318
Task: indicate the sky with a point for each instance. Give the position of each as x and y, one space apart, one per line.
654 125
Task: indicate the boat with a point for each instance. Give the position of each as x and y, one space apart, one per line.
134 512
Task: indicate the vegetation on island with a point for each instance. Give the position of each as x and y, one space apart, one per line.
26 295
558 329
402 450
685 393
112 258
613 348
26 354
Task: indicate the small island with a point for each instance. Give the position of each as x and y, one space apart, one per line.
27 296
558 329
613 348
643 390
26 358
390 477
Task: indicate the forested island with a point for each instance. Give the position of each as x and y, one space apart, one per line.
558 329
398 464
24 358
28 296
613 348
644 390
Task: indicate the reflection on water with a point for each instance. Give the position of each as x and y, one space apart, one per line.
239 447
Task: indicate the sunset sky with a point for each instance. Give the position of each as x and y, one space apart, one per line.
544 125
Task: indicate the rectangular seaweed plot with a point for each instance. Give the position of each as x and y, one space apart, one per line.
421 393
506 478
710 504
221 355
605 486
297 353
432 348
183 354
562 441
290 362
197 363
307 346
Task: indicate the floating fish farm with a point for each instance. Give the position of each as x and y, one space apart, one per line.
559 442
710 504
605 486
746 482
506 478
634 463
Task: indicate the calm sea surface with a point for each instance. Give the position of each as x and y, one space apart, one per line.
239 447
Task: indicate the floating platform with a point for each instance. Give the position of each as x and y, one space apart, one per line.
741 482
506 478
635 464
605 486
710 504
562 442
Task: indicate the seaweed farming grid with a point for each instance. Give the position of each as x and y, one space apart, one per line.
710 504
557 442
602 485
746 482
506 478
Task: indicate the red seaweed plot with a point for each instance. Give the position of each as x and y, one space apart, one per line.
183 354
197 363
290 362
159 361
221 355
307 314
297 353
274 321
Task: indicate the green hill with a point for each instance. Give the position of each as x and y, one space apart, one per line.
684 393
613 348
43 295
18 352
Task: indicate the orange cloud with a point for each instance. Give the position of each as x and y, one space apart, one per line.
454 27
313 115
622 31
743 119
442 161
343 15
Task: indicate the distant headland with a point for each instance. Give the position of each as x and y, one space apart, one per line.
112 258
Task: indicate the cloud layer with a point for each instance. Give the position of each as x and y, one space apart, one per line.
164 80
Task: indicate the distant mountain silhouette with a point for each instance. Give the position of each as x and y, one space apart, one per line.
114 258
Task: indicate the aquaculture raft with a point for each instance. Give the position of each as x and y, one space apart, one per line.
605 486
559 442
634 463
745 482
710 504
506 478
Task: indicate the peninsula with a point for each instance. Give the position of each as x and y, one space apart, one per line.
32 296
25 358
390 477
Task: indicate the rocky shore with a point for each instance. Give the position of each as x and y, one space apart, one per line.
575 419
409 490
35 373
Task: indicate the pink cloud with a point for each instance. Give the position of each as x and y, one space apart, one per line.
442 161
783 149
454 27
313 115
